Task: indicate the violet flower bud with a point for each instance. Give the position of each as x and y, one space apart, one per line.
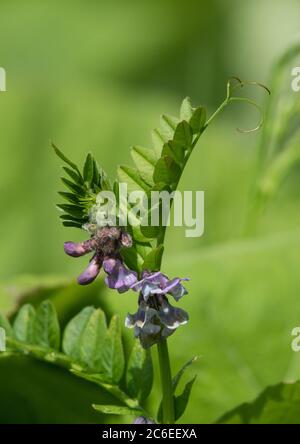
77 249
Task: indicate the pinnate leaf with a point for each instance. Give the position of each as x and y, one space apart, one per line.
46 330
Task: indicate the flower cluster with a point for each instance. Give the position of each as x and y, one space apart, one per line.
106 243
156 318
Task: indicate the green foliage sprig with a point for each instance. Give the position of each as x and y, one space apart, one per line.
91 350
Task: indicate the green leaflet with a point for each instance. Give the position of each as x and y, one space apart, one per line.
70 197
168 125
65 159
88 341
150 232
134 257
161 168
180 401
92 351
178 376
81 336
198 119
111 388
88 169
279 168
132 178
84 188
77 178
186 109
46 330
155 169
73 210
158 140
51 394
4 323
139 374
112 353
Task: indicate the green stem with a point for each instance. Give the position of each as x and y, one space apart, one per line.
166 383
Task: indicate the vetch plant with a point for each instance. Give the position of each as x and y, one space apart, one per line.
131 258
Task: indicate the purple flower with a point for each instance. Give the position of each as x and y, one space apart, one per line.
155 320
77 249
106 243
119 277
158 283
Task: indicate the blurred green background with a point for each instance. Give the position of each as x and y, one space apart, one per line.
95 75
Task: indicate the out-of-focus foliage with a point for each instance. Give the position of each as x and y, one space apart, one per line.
276 405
